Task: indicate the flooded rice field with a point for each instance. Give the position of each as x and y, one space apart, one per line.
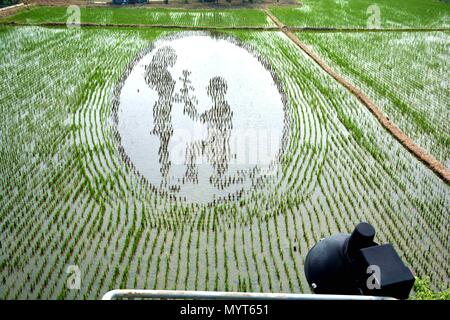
120 145
201 117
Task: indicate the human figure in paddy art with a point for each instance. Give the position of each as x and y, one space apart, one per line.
216 146
219 123
159 78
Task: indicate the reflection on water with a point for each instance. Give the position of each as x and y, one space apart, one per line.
200 118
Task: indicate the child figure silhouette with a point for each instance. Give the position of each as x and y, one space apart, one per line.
216 146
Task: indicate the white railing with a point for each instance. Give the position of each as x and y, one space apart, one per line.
217 295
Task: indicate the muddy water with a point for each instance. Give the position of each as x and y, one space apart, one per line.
201 118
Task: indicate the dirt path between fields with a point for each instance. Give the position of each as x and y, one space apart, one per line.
174 26
426 158
13 9
344 30
133 25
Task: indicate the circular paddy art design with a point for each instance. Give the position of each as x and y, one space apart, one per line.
201 118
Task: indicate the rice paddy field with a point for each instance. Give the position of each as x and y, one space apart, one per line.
161 16
414 62
70 196
354 14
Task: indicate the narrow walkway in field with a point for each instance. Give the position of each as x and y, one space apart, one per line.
16 6
359 30
253 28
10 10
420 153
134 25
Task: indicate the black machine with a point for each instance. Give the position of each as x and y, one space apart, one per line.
355 264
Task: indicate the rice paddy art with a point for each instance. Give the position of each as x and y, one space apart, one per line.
200 118
125 151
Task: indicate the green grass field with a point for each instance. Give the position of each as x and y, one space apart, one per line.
68 198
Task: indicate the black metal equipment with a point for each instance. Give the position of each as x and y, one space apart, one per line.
355 264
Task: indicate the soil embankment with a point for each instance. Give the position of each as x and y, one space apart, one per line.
6 11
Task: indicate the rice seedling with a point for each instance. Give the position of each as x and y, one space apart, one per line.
154 16
356 14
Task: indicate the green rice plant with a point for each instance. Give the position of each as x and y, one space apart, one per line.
416 110
356 14
155 16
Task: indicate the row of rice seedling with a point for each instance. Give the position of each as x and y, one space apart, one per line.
57 63
74 201
378 196
143 15
407 80
366 13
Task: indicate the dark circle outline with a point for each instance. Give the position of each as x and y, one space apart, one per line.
216 35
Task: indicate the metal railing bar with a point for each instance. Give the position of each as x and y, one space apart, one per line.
218 295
